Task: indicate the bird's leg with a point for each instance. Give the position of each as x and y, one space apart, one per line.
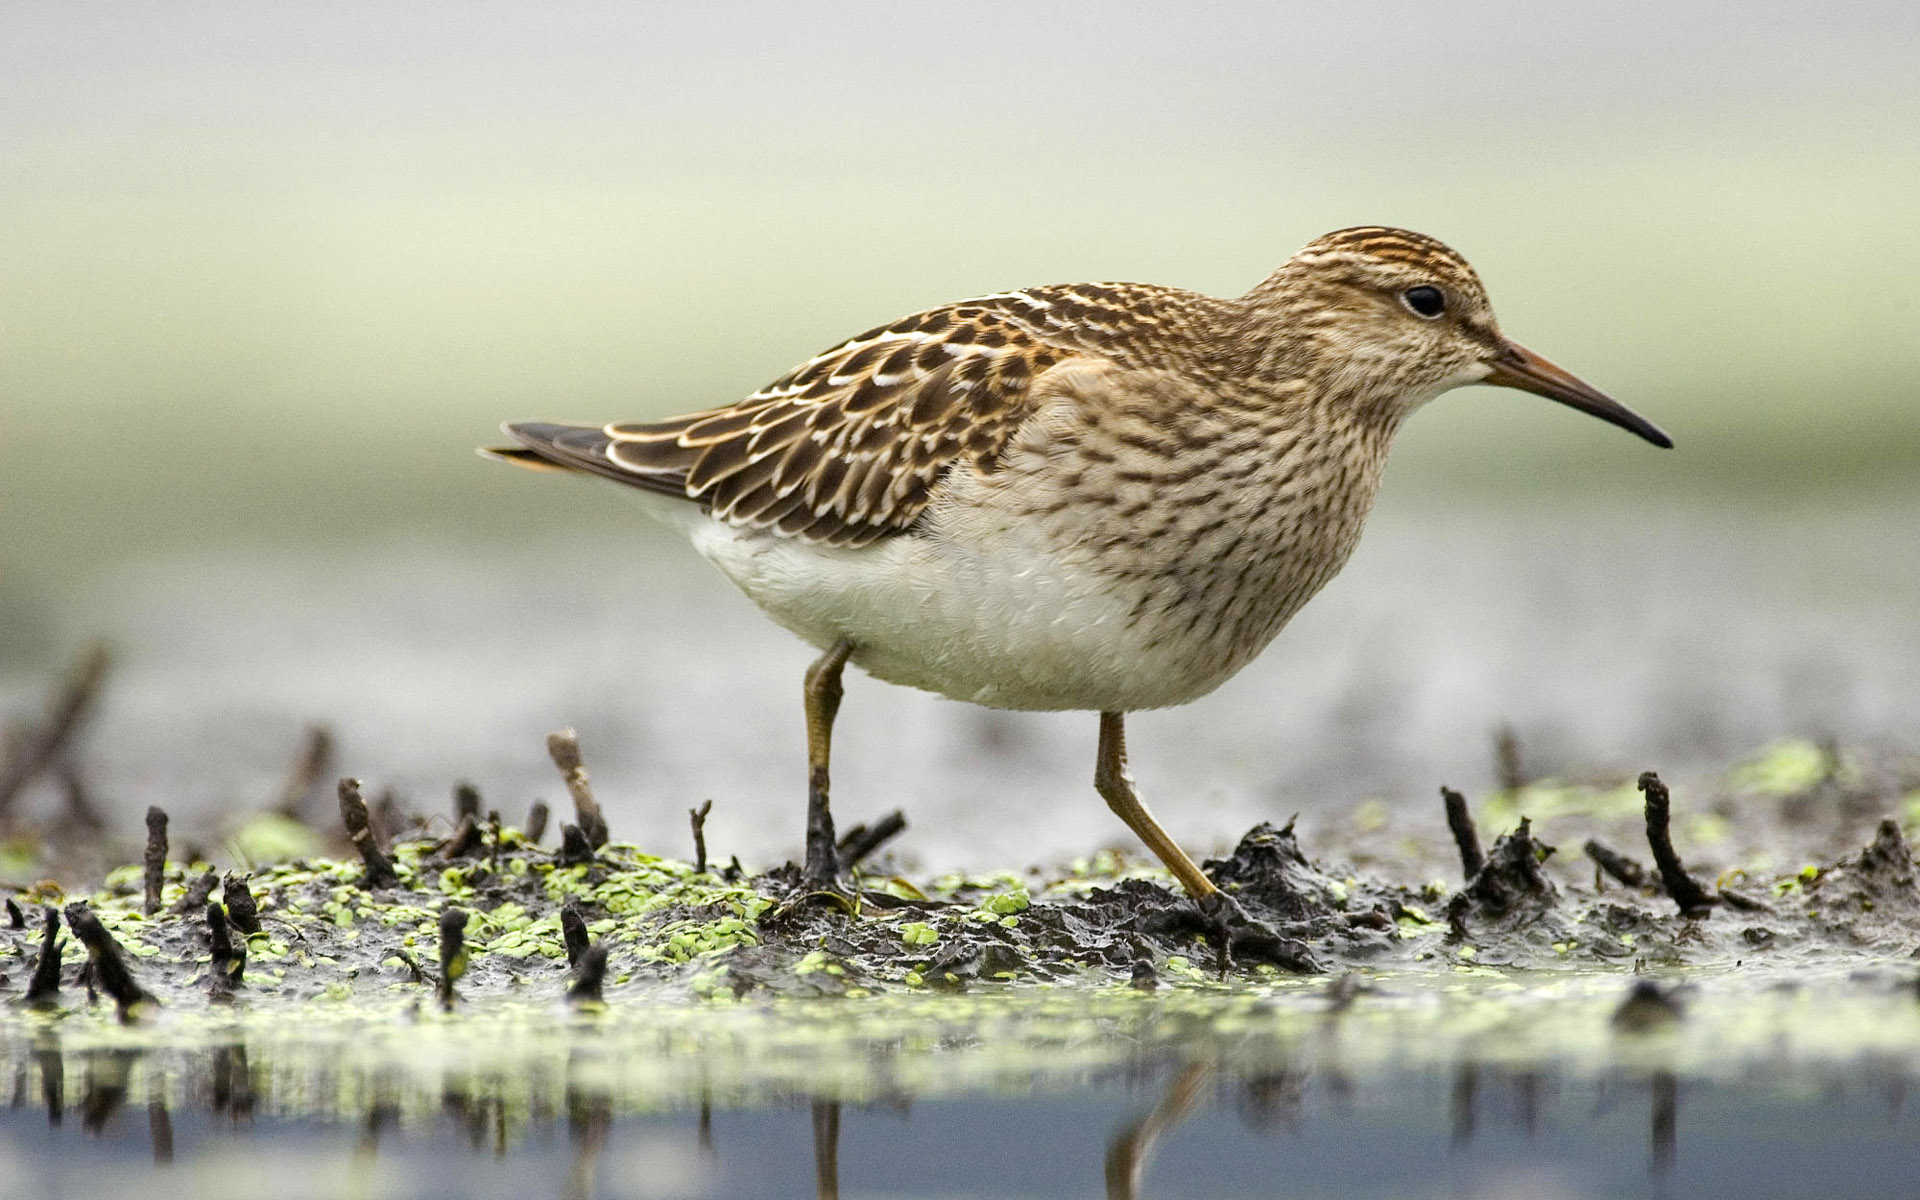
1229 922
823 703
1115 786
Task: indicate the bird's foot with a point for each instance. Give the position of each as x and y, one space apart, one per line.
822 869
1234 932
806 894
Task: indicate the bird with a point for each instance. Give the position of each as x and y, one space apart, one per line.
1103 497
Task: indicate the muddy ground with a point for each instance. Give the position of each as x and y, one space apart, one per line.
1799 857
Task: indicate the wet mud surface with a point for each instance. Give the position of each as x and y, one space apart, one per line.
488 911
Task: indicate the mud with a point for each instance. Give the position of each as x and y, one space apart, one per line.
502 916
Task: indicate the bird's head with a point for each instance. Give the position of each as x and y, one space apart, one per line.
1394 318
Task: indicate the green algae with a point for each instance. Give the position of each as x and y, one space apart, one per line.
1790 767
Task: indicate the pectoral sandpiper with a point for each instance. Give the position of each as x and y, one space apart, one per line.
1102 496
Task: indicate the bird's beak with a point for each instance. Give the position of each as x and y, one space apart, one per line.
1519 367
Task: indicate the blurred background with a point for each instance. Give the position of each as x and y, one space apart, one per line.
268 275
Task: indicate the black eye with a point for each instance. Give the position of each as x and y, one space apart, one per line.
1426 302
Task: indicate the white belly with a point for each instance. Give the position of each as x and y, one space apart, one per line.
1025 628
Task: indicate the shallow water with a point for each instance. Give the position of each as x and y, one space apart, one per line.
1417 1089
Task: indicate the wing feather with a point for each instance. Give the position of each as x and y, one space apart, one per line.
847 447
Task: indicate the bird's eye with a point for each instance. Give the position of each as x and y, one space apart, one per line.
1424 302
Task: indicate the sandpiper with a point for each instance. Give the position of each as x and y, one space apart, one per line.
1102 496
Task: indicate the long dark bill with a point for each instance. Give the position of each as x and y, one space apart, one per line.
1519 367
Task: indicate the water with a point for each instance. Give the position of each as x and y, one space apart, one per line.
1421 1090
1540 1136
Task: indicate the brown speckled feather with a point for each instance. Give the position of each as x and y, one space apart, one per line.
846 448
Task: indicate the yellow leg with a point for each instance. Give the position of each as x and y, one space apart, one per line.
823 703
1115 785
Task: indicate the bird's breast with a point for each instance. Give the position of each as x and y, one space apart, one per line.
1170 561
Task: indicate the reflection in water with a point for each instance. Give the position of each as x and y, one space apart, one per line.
826 1150
381 1116
231 1084
1466 1091
1665 1141
52 1067
106 1088
589 1119
160 1131
1523 1091
1128 1152
1217 1122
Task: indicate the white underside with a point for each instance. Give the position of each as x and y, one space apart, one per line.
1020 629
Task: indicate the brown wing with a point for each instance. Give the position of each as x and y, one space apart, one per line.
846 449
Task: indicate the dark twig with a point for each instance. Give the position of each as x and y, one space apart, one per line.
453 953
386 820
1506 759
412 964
353 812
1682 887
573 931
197 893
536 822
564 748
493 840
699 819
589 973
1616 864
43 991
465 842
575 850
315 763
81 806
1743 903
241 909
466 802
65 715
156 859
110 969
229 955
15 918
1465 837
862 840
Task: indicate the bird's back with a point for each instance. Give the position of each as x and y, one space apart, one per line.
847 448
